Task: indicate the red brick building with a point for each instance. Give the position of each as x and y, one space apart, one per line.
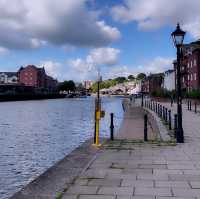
153 82
190 66
36 77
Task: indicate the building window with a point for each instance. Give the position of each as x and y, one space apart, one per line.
195 76
183 79
191 77
188 77
195 62
191 64
188 65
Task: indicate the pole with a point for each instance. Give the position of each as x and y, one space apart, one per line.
111 127
170 120
180 136
195 107
175 126
145 128
142 100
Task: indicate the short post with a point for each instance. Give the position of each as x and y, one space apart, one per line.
175 125
112 126
163 112
170 120
195 107
188 105
156 107
145 128
166 113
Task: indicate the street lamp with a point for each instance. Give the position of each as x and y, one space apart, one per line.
178 37
142 91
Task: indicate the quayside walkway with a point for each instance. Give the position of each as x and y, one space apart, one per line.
127 169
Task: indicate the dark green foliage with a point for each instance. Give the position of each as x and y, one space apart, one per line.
141 76
195 94
67 86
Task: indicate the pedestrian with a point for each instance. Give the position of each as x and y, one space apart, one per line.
171 98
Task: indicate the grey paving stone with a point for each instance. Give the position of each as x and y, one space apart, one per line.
82 190
96 197
186 192
181 184
137 183
105 182
135 197
125 191
69 196
195 185
175 198
152 192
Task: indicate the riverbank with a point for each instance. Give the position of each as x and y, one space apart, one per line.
25 97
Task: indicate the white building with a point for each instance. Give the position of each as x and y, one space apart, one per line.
169 80
8 78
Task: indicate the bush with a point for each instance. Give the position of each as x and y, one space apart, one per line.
195 94
163 93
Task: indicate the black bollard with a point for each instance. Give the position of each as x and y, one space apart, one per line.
166 115
145 128
175 125
195 107
111 126
170 120
163 112
188 105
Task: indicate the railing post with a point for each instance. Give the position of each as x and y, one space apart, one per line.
175 125
112 126
166 114
195 107
188 105
170 120
145 128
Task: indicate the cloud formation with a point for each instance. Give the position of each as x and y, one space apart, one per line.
97 57
157 65
31 24
153 14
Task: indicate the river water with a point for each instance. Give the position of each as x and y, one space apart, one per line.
34 135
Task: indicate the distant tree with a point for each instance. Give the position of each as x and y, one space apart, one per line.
141 76
67 86
120 79
131 77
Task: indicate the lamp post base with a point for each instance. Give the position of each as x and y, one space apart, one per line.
179 136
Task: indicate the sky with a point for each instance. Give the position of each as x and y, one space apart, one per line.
73 39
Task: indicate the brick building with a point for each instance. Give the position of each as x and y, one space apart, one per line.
153 82
36 77
190 66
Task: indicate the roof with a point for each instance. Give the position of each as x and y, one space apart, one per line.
9 74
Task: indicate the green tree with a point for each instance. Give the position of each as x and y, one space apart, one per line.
67 86
131 77
141 76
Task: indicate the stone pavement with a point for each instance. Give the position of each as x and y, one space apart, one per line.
133 123
125 169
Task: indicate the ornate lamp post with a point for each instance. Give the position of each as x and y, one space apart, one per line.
178 37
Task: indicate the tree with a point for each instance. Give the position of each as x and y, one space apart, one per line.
131 77
67 86
141 76
120 79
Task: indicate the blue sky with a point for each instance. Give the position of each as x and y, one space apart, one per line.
71 39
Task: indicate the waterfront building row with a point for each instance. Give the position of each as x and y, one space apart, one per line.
29 76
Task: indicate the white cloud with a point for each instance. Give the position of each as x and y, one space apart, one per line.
3 51
28 24
158 65
153 14
96 58
52 68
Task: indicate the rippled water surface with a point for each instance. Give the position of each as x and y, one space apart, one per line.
36 134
